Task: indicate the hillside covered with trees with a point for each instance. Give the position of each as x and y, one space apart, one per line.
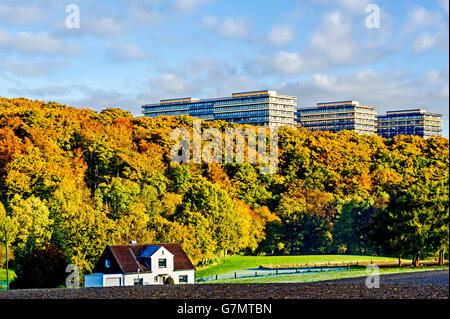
80 180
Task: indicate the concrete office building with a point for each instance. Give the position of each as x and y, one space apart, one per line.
261 108
409 122
338 116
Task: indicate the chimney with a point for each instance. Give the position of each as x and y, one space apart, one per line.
133 242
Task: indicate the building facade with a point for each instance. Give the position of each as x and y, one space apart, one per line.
409 122
338 116
261 108
152 264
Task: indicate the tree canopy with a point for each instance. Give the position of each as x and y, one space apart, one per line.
80 180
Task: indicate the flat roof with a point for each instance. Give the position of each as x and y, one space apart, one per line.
233 96
406 111
338 102
420 111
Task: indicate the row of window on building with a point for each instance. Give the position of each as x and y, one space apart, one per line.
331 116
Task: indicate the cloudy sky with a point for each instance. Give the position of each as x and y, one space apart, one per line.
129 52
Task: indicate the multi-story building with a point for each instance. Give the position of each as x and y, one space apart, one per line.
261 108
409 122
338 116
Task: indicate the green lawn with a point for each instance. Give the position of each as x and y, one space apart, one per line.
331 275
233 263
11 273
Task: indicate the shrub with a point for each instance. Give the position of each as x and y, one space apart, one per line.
43 267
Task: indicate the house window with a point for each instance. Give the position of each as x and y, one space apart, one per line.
138 282
155 279
183 279
162 263
107 264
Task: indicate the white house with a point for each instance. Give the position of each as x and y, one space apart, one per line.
127 265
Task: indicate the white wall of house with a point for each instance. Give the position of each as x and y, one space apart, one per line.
189 273
157 279
113 280
147 278
161 268
161 254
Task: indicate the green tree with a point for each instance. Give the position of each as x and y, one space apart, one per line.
33 218
351 227
8 233
179 175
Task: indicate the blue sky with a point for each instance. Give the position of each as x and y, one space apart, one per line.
130 52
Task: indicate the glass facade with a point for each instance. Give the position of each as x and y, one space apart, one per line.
338 116
261 108
409 122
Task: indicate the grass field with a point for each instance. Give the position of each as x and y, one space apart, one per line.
331 275
3 274
11 273
234 263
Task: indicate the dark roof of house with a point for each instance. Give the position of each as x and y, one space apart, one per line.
127 256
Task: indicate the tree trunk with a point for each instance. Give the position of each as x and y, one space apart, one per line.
399 261
7 266
415 261
441 258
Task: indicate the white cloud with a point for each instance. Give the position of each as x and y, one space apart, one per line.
427 28
444 4
281 65
281 35
234 28
387 90
91 25
390 90
324 80
35 43
104 26
209 21
173 83
194 76
358 6
126 51
43 92
351 6
420 18
138 13
188 6
333 42
29 68
287 62
99 99
21 15
425 42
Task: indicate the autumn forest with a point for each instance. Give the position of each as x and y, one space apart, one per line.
80 180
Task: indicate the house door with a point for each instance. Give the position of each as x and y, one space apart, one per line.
112 282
